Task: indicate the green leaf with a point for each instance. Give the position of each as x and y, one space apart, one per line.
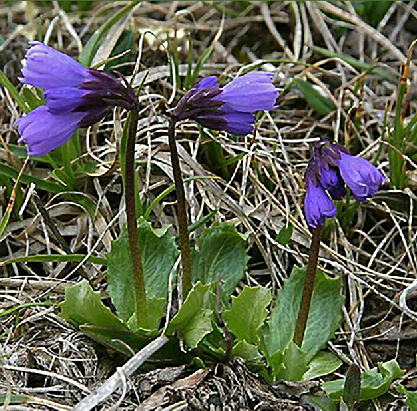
193 320
352 387
323 363
82 305
294 363
197 328
284 235
156 310
248 313
374 382
159 253
248 352
325 313
196 300
222 254
323 319
410 397
314 98
320 403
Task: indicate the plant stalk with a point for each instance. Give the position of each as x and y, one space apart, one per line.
181 211
132 228
300 326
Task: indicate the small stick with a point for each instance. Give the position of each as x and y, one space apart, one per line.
181 211
300 326
115 381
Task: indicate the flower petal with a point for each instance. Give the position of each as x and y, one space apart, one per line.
237 122
210 81
61 99
252 92
360 175
328 177
317 205
44 131
48 68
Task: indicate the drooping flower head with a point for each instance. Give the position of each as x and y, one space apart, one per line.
317 205
229 108
75 96
329 169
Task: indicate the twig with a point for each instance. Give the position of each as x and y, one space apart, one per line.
115 380
300 326
181 211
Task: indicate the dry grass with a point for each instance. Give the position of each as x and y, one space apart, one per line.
45 357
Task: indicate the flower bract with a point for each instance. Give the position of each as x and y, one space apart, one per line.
229 108
75 96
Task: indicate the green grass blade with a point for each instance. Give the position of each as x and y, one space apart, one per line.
54 258
26 305
169 190
200 63
14 398
90 49
360 65
321 104
28 179
7 214
14 93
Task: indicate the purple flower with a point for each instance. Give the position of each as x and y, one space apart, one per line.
229 108
360 175
317 205
329 168
75 96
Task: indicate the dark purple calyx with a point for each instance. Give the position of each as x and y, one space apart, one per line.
198 103
106 90
322 168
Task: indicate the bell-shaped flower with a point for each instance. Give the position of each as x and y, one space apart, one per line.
229 108
75 96
363 178
317 205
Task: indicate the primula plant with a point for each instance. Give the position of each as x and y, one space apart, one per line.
184 280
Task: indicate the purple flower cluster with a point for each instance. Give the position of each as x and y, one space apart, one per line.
329 168
75 96
228 108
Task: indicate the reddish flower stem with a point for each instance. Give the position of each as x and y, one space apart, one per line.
181 211
300 326
132 228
